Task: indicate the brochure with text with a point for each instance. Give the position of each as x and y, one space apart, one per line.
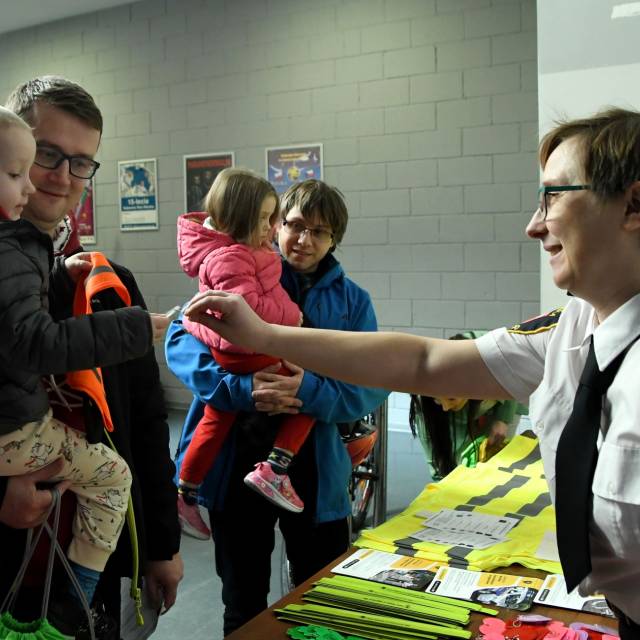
512 592
500 589
554 594
389 568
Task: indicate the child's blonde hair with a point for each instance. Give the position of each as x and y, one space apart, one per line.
9 119
233 203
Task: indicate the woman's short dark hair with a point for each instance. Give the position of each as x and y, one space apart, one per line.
314 197
610 145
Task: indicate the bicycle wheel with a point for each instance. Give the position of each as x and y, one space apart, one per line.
363 479
362 491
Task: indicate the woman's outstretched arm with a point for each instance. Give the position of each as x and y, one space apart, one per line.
395 361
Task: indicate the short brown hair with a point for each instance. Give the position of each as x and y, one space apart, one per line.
234 200
314 197
610 143
59 93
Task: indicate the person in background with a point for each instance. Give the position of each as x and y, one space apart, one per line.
456 431
67 126
313 220
578 364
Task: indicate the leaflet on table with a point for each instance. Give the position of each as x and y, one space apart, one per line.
472 521
458 538
465 529
389 568
512 592
554 594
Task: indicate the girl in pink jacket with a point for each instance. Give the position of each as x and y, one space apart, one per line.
229 248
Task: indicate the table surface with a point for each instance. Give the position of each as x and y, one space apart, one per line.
267 626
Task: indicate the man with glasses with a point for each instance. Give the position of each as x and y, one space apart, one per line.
313 222
67 126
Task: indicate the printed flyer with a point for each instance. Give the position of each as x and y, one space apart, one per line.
389 568
499 589
554 594
138 194
491 589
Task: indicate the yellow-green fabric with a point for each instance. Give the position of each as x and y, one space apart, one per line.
511 484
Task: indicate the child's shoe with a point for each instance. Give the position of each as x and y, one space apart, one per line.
274 487
191 521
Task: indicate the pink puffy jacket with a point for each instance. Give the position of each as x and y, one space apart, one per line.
222 263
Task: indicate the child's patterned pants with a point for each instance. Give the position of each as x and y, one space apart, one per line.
100 479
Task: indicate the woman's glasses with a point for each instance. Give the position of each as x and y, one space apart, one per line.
318 234
547 192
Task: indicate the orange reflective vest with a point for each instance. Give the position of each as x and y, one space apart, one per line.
101 277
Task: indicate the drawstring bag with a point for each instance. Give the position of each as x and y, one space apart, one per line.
40 629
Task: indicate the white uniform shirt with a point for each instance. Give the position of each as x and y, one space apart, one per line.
547 366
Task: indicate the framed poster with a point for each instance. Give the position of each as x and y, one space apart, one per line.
199 173
138 194
85 214
288 165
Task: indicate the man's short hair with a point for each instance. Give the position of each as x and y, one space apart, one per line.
610 146
316 197
59 93
10 119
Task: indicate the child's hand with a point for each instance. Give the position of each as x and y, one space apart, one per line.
301 319
159 322
77 265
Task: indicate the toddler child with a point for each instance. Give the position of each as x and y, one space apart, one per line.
32 345
229 248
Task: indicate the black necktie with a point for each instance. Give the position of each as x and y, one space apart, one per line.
576 459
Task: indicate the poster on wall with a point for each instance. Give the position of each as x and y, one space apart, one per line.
288 165
138 194
199 173
85 214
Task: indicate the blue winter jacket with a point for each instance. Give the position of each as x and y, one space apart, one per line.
333 302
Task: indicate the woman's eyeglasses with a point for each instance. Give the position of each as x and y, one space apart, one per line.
296 228
546 190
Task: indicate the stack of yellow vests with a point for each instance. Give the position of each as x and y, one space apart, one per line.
512 483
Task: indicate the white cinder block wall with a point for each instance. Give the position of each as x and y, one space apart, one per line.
427 110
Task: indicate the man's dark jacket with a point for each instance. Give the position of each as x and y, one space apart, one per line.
141 437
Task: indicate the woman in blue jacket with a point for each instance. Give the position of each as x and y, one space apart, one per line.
313 222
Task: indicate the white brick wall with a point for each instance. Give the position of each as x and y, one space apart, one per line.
426 108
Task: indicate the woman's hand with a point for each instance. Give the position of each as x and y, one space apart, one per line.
232 318
496 438
274 393
497 434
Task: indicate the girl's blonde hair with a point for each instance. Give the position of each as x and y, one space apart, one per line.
9 119
233 203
